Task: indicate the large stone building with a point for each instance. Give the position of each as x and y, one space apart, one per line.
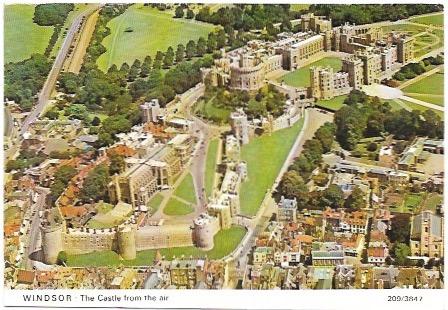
427 235
240 126
326 84
373 57
158 170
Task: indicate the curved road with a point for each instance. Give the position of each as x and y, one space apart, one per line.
52 77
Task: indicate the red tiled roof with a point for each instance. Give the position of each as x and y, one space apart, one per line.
25 276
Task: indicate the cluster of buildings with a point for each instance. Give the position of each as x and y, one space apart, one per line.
370 56
179 273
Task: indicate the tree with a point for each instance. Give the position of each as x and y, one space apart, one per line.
96 121
77 111
372 147
211 42
333 196
179 12
221 38
356 199
190 14
117 164
169 58
95 185
62 258
180 53
400 252
400 228
325 134
190 49
293 186
201 47
61 179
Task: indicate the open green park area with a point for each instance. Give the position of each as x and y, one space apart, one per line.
211 110
210 166
142 31
418 107
225 242
155 201
333 104
436 20
301 76
264 156
429 89
185 190
176 207
187 197
22 36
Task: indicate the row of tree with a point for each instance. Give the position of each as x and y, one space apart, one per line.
365 116
247 17
412 70
52 14
371 13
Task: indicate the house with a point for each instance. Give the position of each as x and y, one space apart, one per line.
327 254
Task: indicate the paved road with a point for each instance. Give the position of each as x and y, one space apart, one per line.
45 93
33 244
314 118
423 103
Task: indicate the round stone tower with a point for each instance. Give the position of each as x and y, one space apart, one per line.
203 232
52 241
126 242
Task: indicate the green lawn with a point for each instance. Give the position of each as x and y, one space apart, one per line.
301 76
432 84
210 166
185 190
211 111
22 37
415 106
436 20
225 242
176 207
434 99
432 201
408 28
264 156
11 213
299 7
152 31
155 201
333 104
412 201
103 208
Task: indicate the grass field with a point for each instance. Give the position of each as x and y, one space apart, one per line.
301 76
225 242
155 201
185 190
265 156
408 28
432 201
436 20
210 166
209 110
22 37
152 31
333 104
175 207
432 84
421 108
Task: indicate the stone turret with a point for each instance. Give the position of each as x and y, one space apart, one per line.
52 229
126 242
204 231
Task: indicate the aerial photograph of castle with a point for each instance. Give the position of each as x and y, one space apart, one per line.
223 146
